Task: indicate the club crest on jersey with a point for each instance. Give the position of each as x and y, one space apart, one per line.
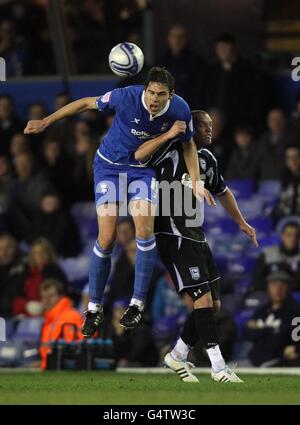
103 188
195 273
203 164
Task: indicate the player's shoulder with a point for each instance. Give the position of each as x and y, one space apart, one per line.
133 90
179 105
129 91
208 156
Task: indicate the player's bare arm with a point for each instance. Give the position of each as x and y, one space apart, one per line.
73 108
228 201
147 149
192 163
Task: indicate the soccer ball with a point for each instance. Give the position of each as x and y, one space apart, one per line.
126 59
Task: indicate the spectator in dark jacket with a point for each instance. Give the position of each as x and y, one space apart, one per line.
272 144
285 256
243 161
26 193
289 200
12 271
271 328
188 69
42 265
235 85
9 122
58 168
56 224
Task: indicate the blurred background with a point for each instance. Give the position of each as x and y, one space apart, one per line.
230 58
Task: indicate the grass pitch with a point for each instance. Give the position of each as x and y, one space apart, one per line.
109 388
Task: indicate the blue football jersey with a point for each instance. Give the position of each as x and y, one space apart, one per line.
133 124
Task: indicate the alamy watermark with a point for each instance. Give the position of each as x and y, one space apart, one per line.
2 69
296 330
166 199
2 330
296 70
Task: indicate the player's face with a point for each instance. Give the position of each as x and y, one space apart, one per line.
203 130
156 97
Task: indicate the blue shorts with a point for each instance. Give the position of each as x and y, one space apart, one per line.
123 183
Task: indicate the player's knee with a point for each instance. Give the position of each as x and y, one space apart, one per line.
204 302
216 306
144 232
107 242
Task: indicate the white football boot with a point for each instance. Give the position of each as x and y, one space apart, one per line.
225 375
181 368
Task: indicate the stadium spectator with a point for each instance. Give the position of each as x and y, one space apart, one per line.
243 162
188 69
55 223
12 272
84 151
270 329
41 265
27 191
236 86
289 199
13 49
37 111
285 256
272 144
9 122
58 167
221 145
18 144
5 187
134 348
59 317
62 130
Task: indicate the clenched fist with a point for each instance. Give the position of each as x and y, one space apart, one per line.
35 127
177 128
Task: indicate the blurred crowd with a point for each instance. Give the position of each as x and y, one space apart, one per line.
26 40
46 181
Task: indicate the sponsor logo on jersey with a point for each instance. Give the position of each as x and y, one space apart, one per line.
164 126
198 292
140 134
195 273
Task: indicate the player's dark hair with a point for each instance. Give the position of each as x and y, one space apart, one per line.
161 75
195 115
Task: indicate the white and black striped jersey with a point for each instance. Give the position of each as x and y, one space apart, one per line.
170 165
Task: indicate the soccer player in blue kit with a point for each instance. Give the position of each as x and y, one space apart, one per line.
141 113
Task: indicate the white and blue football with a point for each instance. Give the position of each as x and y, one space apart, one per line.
126 59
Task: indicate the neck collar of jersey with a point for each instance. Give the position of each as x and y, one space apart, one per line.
163 111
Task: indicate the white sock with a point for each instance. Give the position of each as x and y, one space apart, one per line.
94 307
216 358
140 304
180 351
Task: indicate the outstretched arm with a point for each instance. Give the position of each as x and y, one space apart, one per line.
228 201
37 126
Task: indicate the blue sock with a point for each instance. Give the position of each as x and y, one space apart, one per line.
146 254
99 272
